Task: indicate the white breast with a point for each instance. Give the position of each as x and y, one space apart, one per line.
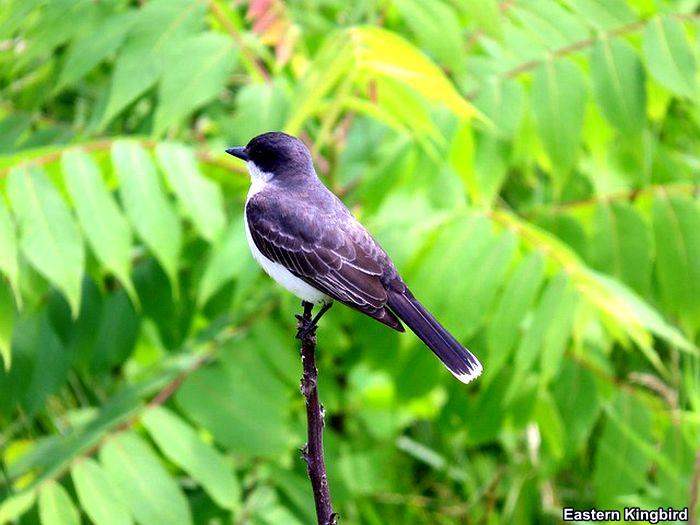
279 273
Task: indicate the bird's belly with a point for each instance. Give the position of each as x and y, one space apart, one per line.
284 277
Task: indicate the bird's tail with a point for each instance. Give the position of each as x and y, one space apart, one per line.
458 360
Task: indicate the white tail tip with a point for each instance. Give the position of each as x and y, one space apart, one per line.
468 377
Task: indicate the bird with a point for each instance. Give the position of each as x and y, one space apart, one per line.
306 239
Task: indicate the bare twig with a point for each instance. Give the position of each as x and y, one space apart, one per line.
655 384
312 452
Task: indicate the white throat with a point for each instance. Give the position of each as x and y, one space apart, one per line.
258 179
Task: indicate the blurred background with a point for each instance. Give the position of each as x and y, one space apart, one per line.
532 167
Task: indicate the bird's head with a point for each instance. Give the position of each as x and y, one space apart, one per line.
275 153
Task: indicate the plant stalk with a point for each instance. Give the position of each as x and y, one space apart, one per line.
312 451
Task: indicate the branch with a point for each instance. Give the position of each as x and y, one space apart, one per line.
41 157
628 195
312 452
579 46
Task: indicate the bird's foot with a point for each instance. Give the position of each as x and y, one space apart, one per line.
305 328
307 325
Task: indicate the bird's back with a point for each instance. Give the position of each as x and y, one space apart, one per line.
319 216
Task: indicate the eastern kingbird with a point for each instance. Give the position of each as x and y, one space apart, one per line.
305 238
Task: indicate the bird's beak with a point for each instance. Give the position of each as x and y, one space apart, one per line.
238 151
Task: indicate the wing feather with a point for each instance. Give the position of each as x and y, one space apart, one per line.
333 254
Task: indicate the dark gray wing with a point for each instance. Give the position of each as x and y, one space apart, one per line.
328 250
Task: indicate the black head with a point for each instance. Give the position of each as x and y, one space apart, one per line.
275 152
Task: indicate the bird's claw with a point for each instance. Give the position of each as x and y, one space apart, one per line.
306 331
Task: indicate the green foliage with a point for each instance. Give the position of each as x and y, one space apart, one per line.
180 443
50 239
132 467
96 494
55 506
531 167
147 205
559 98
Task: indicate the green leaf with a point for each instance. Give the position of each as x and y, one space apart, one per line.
88 51
490 165
14 382
294 486
55 506
259 108
219 399
142 482
60 22
669 56
364 53
159 25
198 69
462 247
228 259
514 303
147 206
576 394
603 14
620 303
12 129
368 471
550 23
97 496
621 245
461 158
7 321
503 102
379 52
264 508
545 330
618 84
200 197
614 301
487 276
558 100
102 222
54 455
16 505
14 13
486 14
8 251
181 444
550 424
678 447
332 63
403 109
620 464
558 334
49 237
37 340
677 235
437 30
115 333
